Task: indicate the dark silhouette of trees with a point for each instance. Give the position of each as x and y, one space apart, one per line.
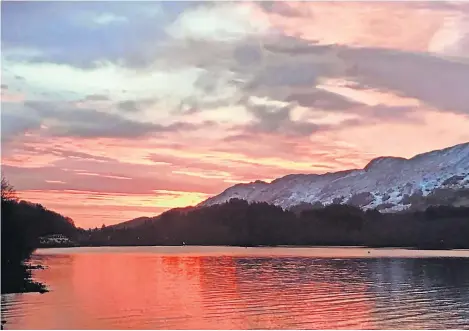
22 223
8 191
259 224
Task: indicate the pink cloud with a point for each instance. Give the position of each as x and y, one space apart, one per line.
395 25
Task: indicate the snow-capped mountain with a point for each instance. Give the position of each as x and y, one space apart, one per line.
386 183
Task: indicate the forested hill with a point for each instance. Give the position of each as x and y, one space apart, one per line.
22 223
240 223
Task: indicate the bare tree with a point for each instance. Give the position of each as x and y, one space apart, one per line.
8 191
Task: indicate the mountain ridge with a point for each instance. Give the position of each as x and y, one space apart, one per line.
386 183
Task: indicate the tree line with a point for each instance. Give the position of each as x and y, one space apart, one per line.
240 223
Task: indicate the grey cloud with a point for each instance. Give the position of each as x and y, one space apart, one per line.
192 105
75 42
441 5
289 65
4 87
128 105
287 62
274 120
289 70
185 126
209 55
105 126
90 123
207 82
266 5
240 56
287 45
275 67
16 121
248 54
277 120
97 97
288 74
214 89
135 105
278 7
17 124
65 153
322 99
438 82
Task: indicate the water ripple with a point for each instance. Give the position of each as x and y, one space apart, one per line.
141 290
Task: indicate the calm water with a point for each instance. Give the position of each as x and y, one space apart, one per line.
238 288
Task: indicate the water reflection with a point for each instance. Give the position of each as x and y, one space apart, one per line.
141 290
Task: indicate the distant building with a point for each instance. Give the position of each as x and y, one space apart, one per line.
55 240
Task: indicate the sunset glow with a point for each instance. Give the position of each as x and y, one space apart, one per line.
115 110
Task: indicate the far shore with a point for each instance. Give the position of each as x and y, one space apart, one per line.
267 251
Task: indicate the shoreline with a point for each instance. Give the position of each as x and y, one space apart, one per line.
23 280
422 248
28 285
265 251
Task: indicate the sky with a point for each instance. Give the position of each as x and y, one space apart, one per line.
116 110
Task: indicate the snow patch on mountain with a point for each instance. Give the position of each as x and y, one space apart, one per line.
384 183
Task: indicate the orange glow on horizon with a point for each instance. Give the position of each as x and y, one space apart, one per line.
110 208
